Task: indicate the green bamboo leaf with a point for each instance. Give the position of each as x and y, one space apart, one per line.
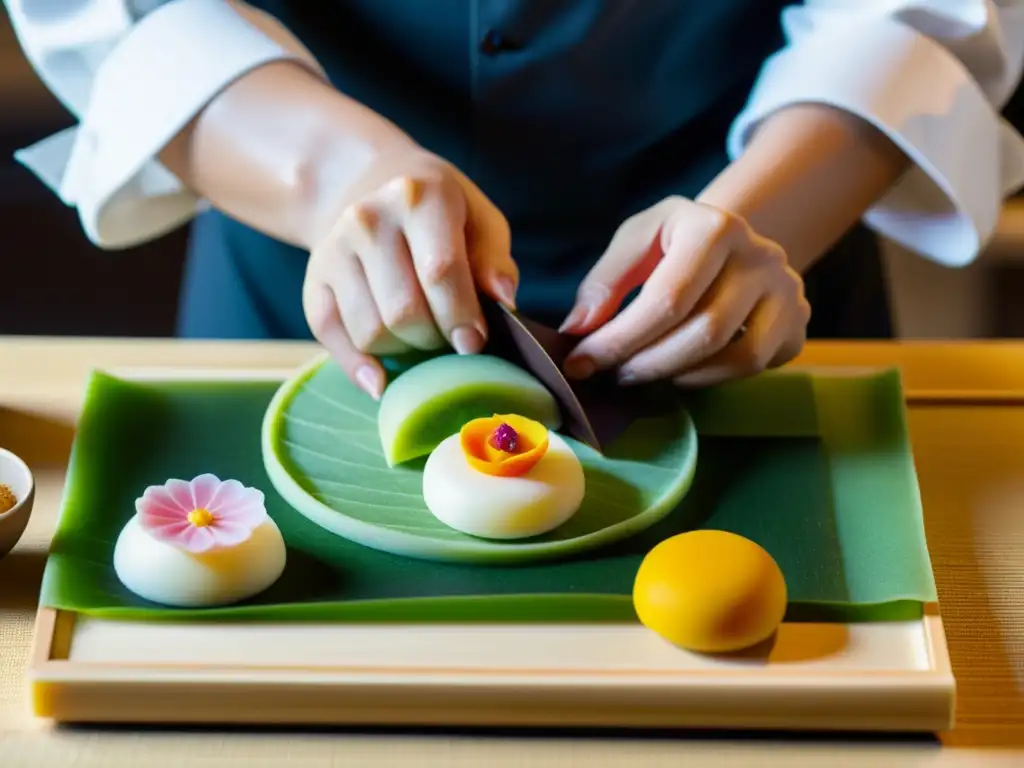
322 452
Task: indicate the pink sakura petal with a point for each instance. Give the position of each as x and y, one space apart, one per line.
227 533
153 522
251 515
172 533
156 508
229 492
203 488
164 512
159 514
159 496
248 511
197 540
181 492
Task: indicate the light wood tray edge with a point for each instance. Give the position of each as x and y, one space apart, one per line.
845 700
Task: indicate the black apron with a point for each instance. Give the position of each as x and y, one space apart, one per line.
571 115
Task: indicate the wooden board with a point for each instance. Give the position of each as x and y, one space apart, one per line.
884 677
874 676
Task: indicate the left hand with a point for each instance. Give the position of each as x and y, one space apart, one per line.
718 301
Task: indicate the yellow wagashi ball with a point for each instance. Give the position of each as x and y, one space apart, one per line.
710 592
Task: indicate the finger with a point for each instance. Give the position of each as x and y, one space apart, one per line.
693 259
359 315
489 248
731 301
627 263
799 318
791 346
767 330
385 259
435 232
321 308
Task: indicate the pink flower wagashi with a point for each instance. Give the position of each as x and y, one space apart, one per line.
202 542
206 513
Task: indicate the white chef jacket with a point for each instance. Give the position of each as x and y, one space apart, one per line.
930 74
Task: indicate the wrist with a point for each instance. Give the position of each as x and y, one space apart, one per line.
337 162
809 173
279 148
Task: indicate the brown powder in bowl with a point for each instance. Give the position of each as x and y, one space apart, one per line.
7 499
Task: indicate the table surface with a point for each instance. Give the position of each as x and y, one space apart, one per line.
970 460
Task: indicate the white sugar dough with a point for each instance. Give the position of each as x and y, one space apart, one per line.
503 507
164 574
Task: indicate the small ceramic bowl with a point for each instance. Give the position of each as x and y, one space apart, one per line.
15 474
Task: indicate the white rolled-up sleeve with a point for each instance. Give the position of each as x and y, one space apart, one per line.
933 76
134 74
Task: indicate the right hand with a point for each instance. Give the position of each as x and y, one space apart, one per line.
401 266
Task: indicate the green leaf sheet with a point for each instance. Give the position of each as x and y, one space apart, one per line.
817 469
323 456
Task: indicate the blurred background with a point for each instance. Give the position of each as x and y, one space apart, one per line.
53 282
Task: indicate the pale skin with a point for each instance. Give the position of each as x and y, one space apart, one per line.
400 241
733 257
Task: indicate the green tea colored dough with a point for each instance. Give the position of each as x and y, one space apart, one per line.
433 400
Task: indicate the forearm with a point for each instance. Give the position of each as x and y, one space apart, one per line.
809 173
278 148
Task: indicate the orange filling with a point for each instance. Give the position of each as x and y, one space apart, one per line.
504 446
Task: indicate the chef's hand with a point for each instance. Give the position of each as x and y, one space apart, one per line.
402 264
718 301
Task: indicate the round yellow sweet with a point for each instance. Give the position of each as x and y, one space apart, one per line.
710 592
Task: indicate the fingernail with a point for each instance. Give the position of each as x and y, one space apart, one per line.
588 304
413 192
575 319
370 379
627 376
367 219
579 367
505 288
467 340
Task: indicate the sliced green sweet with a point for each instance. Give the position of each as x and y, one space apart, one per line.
432 401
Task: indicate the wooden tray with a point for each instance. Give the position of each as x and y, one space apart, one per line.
879 677
868 676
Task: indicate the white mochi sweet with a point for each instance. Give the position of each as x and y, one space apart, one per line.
503 508
162 573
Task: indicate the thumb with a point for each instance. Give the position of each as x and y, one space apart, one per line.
629 260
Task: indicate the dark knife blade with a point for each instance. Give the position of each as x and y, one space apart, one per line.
595 411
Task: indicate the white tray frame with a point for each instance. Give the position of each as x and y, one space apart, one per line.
886 676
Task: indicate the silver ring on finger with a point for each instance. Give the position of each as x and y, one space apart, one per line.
740 333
